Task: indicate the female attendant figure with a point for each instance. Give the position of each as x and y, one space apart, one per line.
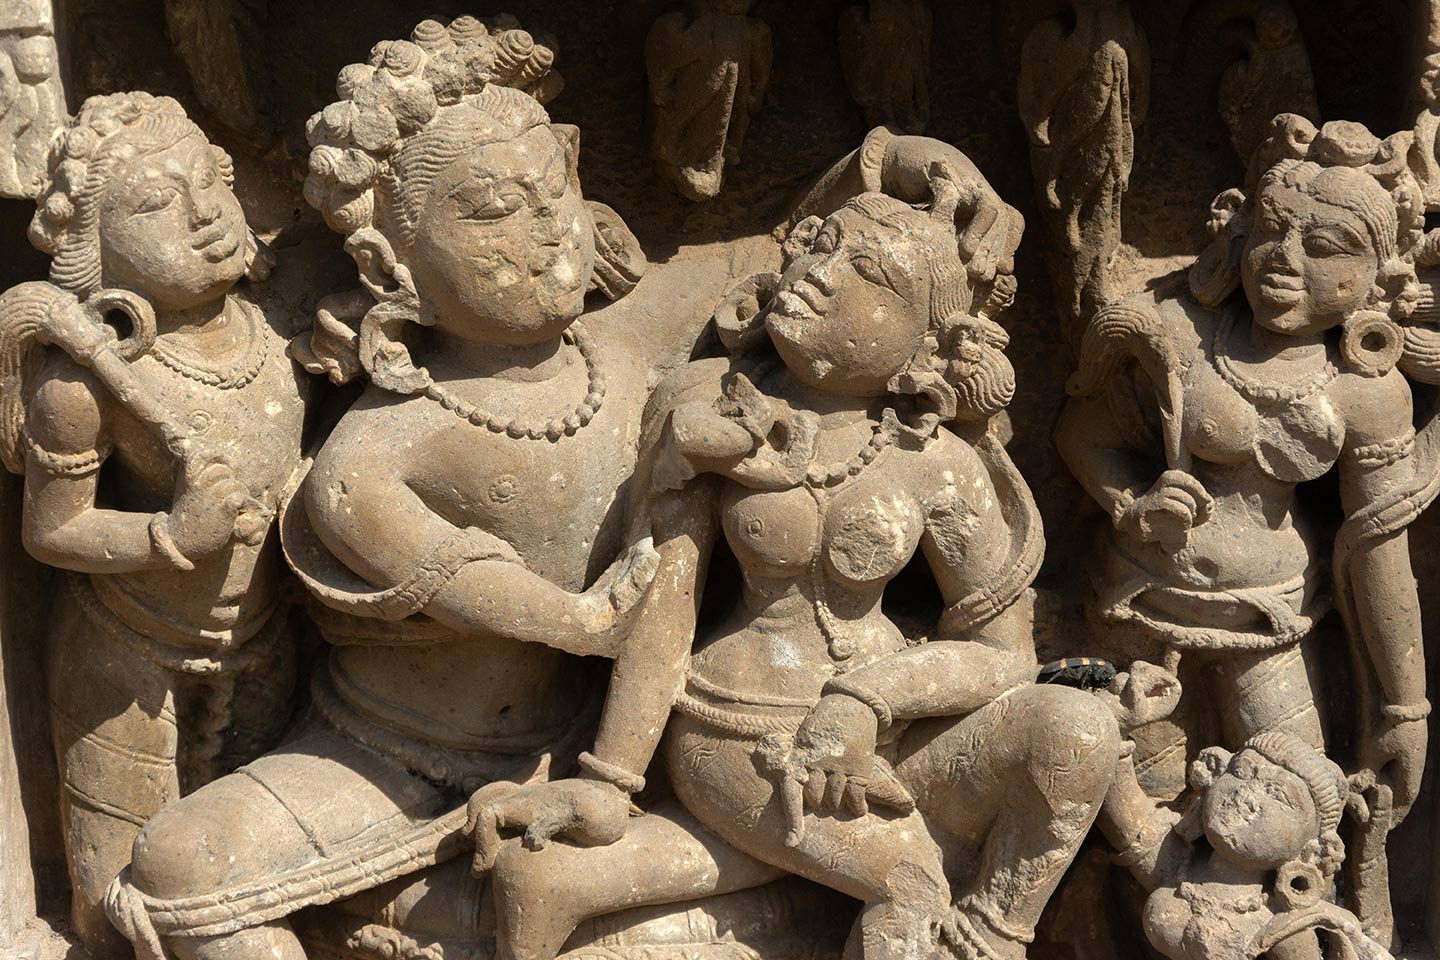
153 460
1199 411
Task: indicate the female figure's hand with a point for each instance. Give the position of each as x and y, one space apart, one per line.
1168 511
590 812
208 504
831 764
1397 755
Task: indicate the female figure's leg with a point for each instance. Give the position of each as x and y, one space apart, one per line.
112 720
1011 790
541 896
1258 691
888 862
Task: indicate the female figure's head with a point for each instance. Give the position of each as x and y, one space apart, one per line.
1274 805
136 197
458 196
1324 239
876 299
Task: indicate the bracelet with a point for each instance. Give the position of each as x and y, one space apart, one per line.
1406 712
163 544
883 715
611 773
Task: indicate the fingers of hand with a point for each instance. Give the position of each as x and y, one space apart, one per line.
793 803
814 781
549 824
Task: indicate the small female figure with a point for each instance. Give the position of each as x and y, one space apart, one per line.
810 736
1243 871
153 460
1198 412
708 67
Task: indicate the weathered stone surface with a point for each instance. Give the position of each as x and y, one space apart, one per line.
674 580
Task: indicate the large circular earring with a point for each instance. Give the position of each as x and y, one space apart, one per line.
1371 343
1299 884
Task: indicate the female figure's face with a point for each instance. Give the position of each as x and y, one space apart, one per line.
1258 814
504 247
171 229
851 312
1307 264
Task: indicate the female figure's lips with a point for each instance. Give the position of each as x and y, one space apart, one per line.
221 247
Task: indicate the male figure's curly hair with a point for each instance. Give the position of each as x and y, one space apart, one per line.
375 150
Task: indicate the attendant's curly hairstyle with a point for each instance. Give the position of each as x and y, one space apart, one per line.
108 131
375 151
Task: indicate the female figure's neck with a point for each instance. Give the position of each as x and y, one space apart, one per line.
1268 343
836 408
192 320
450 356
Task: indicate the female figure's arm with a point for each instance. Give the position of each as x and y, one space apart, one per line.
62 524
1377 460
968 544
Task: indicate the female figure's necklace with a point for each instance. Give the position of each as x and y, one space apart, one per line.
1256 391
234 374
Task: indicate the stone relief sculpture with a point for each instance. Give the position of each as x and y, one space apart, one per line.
450 585
32 99
1245 870
1272 75
885 54
708 66
1282 355
697 610
1082 91
805 739
154 458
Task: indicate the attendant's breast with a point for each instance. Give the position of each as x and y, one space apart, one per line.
1219 425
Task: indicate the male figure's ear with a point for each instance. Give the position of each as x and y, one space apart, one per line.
569 136
381 273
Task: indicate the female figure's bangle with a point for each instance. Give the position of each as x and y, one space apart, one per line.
162 543
1406 712
611 773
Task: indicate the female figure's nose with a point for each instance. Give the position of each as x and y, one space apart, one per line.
204 210
822 274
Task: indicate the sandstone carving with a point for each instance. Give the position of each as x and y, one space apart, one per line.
708 67
32 96
406 555
1083 87
170 655
1272 74
885 53
826 450
1282 355
454 618
1245 870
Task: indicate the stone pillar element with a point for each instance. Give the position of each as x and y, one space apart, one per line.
1084 85
17 881
32 96
885 55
